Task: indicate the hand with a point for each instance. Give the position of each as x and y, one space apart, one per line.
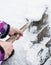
8 47
14 30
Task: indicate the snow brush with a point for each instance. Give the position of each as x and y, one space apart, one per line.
23 28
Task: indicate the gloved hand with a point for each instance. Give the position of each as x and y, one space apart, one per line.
8 48
15 30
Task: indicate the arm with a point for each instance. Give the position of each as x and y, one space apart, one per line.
6 29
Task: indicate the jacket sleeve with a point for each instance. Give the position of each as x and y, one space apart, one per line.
4 29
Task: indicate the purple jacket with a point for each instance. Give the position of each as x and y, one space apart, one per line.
4 30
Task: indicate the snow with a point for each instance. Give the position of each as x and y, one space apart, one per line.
14 12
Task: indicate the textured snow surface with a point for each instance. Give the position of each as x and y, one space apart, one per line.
14 12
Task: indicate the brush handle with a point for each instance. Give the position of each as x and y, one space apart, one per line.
23 28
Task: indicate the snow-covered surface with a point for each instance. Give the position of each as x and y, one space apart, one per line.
14 12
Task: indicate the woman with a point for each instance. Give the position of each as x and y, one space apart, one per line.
6 48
